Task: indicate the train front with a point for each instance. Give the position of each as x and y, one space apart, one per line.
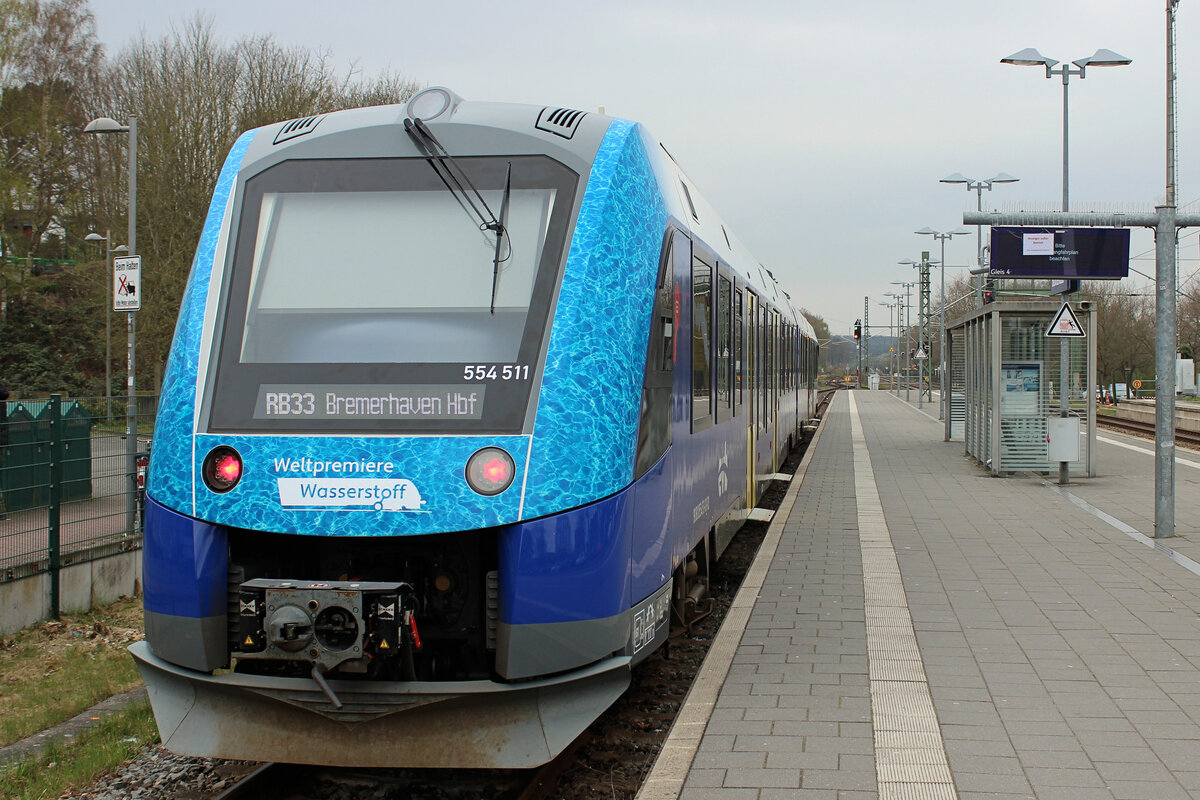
388 521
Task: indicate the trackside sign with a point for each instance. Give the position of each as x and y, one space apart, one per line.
127 283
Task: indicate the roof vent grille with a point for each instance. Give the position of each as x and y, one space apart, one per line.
560 121
297 127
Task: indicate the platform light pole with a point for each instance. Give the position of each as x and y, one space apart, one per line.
109 250
894 369
104 125
978 186
1029 57
942 237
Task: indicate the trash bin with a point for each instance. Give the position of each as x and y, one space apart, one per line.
75 433
77 452
25 463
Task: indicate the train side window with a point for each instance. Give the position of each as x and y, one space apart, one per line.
702 340
724 359
738 358
654 424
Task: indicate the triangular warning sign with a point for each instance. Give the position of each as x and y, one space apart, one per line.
249 642
921 353
1066 324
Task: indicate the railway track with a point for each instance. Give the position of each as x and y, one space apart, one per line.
1183 438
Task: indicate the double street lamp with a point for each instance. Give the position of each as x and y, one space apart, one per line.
1029 57
109 250
892 306
942 237
978 186
101 126
906 302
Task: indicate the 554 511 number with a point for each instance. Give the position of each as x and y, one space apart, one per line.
494 372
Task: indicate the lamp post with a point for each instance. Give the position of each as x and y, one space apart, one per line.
942 237
104 125
894 369
108 254
1029 57
978 186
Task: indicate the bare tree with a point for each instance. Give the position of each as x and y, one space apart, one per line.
47 65
1124 332
193 96
1189 317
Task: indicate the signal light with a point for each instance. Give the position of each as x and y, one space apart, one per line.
989 292
857 330
222 469
490 471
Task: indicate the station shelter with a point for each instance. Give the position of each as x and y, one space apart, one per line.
1005 387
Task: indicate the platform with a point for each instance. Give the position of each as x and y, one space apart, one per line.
915 628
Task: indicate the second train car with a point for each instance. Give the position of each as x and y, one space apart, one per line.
463 399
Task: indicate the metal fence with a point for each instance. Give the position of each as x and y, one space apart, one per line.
69 483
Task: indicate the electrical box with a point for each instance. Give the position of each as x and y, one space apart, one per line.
1062 439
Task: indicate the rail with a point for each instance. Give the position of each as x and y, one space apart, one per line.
1183 438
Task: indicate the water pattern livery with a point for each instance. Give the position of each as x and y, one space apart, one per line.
580 455
172 458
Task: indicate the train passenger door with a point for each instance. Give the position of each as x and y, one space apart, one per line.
752 368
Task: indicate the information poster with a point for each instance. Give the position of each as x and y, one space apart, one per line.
1020 389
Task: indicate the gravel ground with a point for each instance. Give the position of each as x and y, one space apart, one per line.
160 775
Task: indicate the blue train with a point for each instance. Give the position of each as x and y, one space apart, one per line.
463 401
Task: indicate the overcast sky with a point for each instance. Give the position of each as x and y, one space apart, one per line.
817 129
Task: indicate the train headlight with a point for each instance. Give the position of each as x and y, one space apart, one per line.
222 469
490 471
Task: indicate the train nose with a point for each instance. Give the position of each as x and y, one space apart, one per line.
289 628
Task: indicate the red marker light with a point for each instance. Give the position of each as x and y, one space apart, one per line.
495 471
490 471
222 469
229 468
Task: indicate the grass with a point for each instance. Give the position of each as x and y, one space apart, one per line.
54 670
101 749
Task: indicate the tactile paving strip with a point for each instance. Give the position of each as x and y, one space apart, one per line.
910 756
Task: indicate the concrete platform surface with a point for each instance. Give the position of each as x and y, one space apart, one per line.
920 629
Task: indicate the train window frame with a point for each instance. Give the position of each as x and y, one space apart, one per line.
654 436
701 340
739 341
234 386
723 356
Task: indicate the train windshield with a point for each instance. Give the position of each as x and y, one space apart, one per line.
365 295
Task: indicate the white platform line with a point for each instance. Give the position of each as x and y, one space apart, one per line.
910 756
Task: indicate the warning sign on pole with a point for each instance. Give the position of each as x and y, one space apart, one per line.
1066 324
127 283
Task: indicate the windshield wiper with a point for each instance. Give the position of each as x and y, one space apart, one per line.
501 230
445 166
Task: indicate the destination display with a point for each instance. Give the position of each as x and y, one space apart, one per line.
1076 253
369 401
